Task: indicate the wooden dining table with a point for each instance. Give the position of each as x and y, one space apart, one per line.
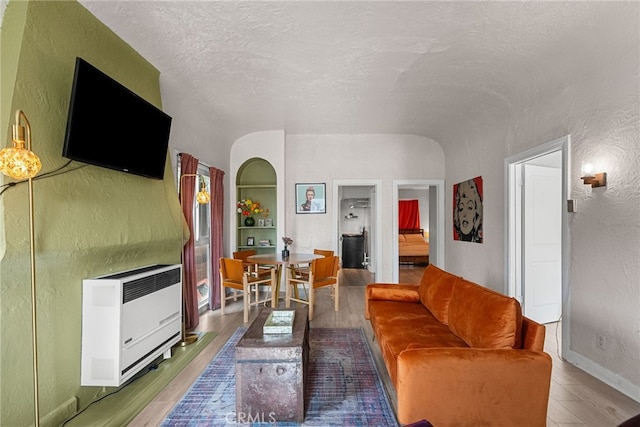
282 264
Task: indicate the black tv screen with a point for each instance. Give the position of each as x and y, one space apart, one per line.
112 127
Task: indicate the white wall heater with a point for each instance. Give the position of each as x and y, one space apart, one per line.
128 320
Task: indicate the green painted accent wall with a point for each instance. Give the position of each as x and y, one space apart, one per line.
89 221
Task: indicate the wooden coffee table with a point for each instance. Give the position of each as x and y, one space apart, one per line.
271 370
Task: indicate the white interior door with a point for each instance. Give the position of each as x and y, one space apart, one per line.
542 251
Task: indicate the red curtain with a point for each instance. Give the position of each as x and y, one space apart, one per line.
217 216
408 214
189 165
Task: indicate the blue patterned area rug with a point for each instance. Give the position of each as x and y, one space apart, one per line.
343 388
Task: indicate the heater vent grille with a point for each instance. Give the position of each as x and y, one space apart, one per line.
150 284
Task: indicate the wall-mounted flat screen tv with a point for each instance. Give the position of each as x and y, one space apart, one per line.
112 127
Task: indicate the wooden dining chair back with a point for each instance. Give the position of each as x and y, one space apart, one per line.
324 252
302 271
251 267
322 273
233 275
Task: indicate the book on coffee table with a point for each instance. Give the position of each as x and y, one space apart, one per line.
279 322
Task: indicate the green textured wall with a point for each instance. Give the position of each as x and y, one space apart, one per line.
89 221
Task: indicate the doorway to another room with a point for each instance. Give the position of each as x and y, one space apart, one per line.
425 232
537 230
356 230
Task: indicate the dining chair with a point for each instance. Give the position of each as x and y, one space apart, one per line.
322 273
302 271
251 267
234 275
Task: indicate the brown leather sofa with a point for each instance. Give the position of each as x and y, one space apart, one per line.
460 354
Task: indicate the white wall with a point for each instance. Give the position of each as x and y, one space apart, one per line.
324 158
600 110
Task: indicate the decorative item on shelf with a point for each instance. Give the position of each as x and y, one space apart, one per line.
288 241
248 208
250 241
265 242
260 222
20 162
268 222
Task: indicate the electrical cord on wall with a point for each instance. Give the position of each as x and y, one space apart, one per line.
54 172
558 345
151 367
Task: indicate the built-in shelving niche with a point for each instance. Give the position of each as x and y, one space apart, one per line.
256 180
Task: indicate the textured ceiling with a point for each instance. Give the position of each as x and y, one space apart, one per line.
444 70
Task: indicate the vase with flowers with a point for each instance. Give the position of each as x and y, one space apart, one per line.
288 241
248 209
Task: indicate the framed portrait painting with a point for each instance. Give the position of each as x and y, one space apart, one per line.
310 198
467 210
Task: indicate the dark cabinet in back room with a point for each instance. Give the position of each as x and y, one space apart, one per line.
352 250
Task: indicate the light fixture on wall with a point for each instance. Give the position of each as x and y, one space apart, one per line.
203 197
20 162
589 177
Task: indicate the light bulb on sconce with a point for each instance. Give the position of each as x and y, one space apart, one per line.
19 162
587 169
589 177
203 197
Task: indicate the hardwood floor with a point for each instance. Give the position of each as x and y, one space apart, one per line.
577 399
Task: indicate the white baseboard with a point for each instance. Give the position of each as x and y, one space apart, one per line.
606 376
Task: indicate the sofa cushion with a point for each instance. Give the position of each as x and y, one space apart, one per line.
482 317
436 286
401 325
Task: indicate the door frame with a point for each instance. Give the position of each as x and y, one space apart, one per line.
374 234
436 235
513 253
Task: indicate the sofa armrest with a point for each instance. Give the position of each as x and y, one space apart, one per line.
470 387
533 334
404 292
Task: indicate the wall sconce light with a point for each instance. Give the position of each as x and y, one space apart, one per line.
588 177
20 162
203 197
